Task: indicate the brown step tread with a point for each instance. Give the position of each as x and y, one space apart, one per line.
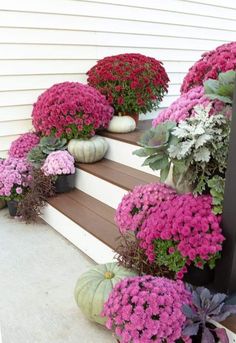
118 174
230 323
131 137
88 212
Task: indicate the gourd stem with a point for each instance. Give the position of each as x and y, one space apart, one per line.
109 275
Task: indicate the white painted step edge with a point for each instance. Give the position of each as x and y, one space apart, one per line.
86 242
121 152
102 190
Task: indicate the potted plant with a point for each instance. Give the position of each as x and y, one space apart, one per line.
22 145
195 150
61 165
14 181
74 111
146 309
133 84
206 309
46 145
213 62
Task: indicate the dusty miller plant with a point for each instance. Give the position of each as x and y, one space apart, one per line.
197 148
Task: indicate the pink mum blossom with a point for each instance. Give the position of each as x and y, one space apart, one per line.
222 59
71 110
189 222
183 107
59 162
21 146
147 309
134 206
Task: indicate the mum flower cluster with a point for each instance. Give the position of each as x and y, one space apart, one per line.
183 107
71 110
210 65
59 162
188 222
14 177
147 309
132 83
22 145
134 206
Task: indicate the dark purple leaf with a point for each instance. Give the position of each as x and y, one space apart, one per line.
222 335
191 329
207 336
216 301
189 312
221 317
230 308
205 297
217 311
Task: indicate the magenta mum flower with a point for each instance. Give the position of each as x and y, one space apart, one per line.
222 59
147 309
183 107
71 110
134 206
21 146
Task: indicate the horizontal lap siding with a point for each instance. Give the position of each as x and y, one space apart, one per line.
46 42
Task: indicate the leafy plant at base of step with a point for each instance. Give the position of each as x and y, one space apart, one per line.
46 145
41 188
197 148
206 307
221 89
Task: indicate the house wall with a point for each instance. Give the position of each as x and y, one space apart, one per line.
49 41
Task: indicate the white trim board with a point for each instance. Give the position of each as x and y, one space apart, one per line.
74 233
102 190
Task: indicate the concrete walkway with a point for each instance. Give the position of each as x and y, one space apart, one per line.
38 272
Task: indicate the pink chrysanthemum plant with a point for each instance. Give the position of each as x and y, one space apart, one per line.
181 232
59 163
22 145
134 206
15 177
222 59
71 110
147 309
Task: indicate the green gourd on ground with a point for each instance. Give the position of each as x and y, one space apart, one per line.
94 286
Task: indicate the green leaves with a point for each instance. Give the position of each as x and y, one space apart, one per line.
221 89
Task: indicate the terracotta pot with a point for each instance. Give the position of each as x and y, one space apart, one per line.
2 204
65 183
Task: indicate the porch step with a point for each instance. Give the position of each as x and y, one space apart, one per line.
117 174
131 137
86 222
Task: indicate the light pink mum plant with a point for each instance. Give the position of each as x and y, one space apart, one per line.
58 163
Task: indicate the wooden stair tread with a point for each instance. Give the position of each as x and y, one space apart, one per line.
131 137
118 174
91 214
230 323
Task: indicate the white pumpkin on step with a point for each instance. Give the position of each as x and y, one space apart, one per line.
122 124
89 150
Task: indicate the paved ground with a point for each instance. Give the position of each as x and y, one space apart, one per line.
38 272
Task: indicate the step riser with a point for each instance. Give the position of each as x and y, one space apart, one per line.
90 245
100 189
121 152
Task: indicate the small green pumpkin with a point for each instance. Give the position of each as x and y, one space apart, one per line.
94 286
88 151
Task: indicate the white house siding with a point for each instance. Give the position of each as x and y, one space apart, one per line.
49 41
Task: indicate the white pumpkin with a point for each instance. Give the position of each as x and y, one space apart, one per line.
88 151
122 124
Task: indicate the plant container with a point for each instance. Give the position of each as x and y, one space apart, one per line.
12 207
65 183
199 277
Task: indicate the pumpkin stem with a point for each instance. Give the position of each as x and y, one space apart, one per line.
109 275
